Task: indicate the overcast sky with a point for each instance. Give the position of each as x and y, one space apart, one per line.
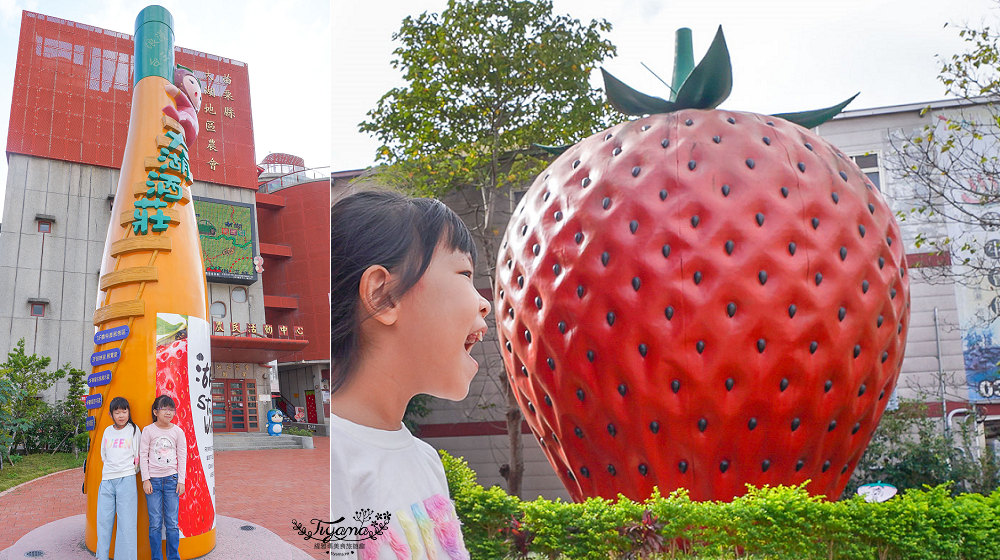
286 45
787 55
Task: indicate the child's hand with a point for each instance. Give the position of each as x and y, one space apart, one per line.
180 488
147 487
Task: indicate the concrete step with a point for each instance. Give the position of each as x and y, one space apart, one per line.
258 440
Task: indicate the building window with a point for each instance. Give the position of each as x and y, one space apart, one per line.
868 163
37 306
240 295
44 226
218 309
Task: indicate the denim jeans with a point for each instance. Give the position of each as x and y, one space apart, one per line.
120 497
162 506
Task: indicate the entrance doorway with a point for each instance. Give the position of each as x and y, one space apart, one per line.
234 405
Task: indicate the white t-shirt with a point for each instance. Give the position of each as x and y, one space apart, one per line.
119 450
378 472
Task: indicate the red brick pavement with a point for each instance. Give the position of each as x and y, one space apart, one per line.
268 487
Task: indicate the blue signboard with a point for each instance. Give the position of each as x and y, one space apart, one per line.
105 357
99 378
94 401
91 422
111 335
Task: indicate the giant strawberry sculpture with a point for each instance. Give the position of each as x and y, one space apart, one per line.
702 298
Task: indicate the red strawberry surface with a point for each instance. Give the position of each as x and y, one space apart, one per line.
197 512
702 299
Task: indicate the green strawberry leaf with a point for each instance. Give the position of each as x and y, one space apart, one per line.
711 81
554 150
632 102
810 119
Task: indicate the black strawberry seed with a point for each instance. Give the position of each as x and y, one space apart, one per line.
730 383
702 424
827 386
689 122
881 395
843 470
815 223
608 137
784 192
892 293
819 278
546 196
562 327
585 472
725 190
552 365
783 385
724 466
697 278
636 283
761 344
520 281
765 465
730 246
548 402
731 309
854 430
682 466
802 167
835 197
509 348
766 140
612 430
606 203
791 249
862 230
871 208
864 286
769 123
665 142
675 385
841 313
585 182
578 432
813 346
692 164
881 262
762 277
635 171
654 426
832 426
716 139
795 424
580 395
633 226
799 465
752 424
616 151
604 258
524 229
524 371
808 146
611 469
669 312
666 251
862 389
643 469
750 163
531 407
556 269
579 292
510 312
534 249
731 120
538 302
885 356
791 311
645 127
857 350
611 318
888 240
760 219
570 475
663 194
695 220
527 336
591 356
700 346
826 466
642 350
576 164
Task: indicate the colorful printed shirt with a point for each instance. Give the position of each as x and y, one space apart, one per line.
163 452
119 450
390 497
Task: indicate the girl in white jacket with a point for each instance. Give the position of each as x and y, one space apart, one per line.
118 493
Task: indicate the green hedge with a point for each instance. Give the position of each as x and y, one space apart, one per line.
779 523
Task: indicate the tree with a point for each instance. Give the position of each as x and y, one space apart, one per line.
25 377
952 166
486 80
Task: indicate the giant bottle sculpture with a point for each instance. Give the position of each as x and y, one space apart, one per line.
151 331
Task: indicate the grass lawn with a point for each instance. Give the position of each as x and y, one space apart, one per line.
33 466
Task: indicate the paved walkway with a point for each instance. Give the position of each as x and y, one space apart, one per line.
268 487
